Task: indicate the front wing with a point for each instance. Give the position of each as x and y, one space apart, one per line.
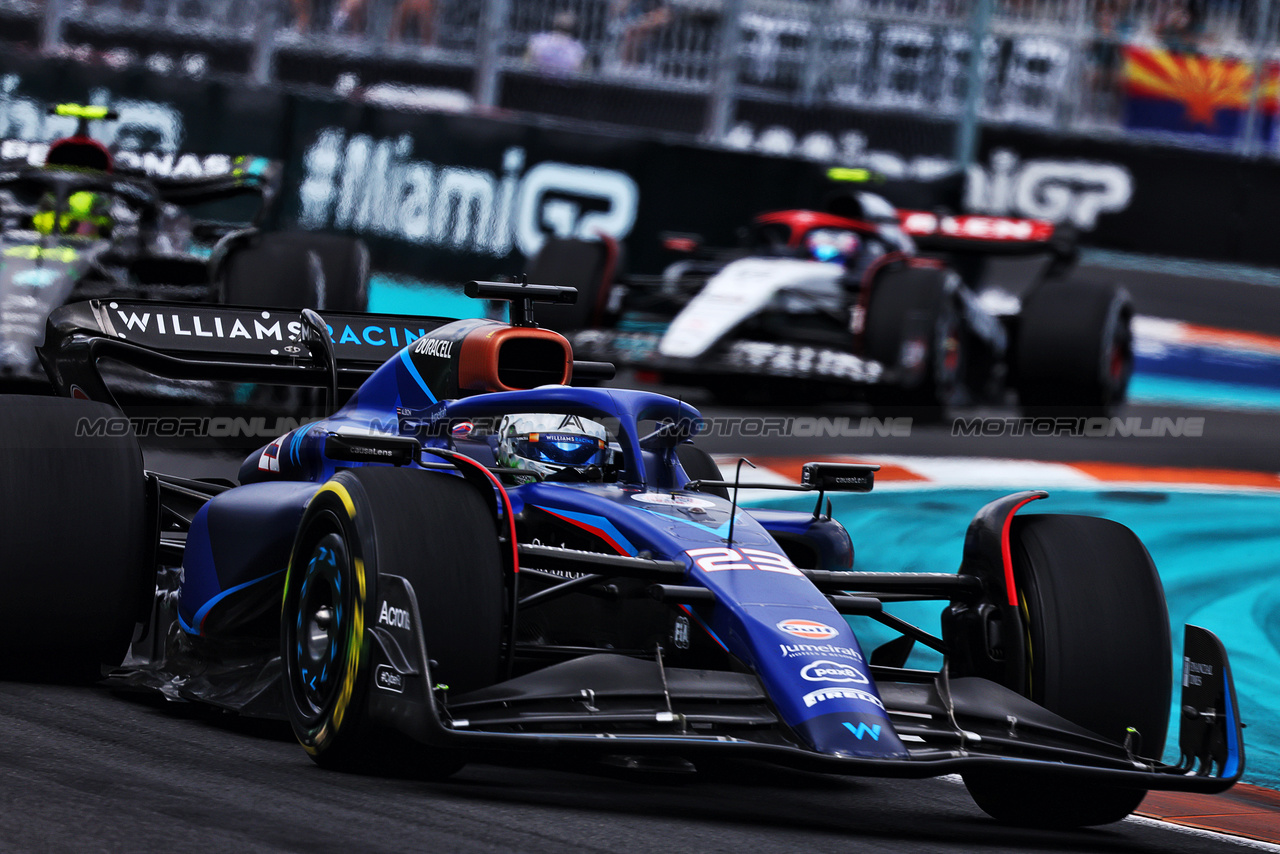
607 703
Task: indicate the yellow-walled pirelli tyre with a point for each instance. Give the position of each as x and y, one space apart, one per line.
77 536
433 529
1098 655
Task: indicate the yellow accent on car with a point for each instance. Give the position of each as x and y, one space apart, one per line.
63 254
343 496
81 111
844 173
355 638
80 209
355 643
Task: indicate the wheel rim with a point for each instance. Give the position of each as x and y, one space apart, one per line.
320 625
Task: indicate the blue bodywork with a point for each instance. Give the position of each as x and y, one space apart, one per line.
769 615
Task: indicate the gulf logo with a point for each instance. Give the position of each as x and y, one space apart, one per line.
808 629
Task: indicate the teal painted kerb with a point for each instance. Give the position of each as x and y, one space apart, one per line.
1156 389
1218 555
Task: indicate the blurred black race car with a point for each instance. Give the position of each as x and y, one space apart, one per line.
75 225
895 305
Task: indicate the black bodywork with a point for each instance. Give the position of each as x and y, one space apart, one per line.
153 247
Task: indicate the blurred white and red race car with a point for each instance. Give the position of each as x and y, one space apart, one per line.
862 299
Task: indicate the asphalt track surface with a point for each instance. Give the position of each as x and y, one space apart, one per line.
84 770
81 770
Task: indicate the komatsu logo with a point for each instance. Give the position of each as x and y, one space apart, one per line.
397 618
371 186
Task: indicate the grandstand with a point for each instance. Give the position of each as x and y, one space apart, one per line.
778 75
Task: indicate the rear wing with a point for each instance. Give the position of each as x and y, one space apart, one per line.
987 235
277 346
188 179
182 178
221 343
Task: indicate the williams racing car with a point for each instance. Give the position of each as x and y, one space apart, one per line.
473 557
862 299
75 224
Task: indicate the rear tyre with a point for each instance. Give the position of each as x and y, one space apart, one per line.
913 324
1074 347
277 270
434 530
1098 655
78 537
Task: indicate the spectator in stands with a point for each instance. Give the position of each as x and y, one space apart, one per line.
1114 25
346 12
421 13
301 14
634 22
557 51
1179 24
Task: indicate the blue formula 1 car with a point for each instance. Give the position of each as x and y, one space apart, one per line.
473 557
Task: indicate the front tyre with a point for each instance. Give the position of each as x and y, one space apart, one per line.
1098 655
324 650
437 532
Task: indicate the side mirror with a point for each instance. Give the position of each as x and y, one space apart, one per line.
838 477
364 448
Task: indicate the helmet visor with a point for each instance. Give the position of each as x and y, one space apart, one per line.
562 449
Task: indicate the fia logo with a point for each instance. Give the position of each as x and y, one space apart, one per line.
680 633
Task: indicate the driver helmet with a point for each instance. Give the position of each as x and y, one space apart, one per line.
546 443
85 215
834 245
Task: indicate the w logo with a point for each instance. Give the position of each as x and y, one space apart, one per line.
862 729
